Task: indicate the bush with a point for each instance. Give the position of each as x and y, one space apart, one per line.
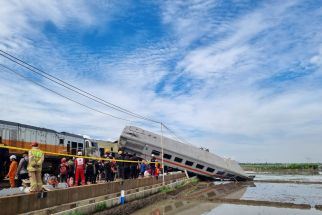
167 189
100 207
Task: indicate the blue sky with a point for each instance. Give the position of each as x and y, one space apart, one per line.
242 78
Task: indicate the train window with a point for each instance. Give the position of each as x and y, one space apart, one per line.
167 156
230 175
157 153
0 139
74 145
199 166
80 145
189 163
220 173
61 141
179 160
111 149
210 169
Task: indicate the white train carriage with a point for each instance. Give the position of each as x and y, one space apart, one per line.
20 135
180 155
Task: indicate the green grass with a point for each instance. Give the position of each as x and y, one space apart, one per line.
167 189
100 207
280 166
194 180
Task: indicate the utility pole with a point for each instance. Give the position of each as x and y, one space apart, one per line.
162 154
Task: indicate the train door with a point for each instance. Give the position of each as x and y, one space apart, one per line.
68 148
74 148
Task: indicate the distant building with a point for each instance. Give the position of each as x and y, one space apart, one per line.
107 147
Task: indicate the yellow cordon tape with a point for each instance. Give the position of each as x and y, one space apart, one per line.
67 155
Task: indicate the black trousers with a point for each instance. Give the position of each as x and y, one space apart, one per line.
21 177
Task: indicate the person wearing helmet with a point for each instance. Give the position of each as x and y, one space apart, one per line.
36 159
63 169
80 168
12 170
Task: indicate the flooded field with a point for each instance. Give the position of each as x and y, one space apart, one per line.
257 198
294 193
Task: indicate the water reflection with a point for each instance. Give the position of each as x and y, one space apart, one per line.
203 199
229 209
191 203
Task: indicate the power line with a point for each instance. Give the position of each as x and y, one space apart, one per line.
78 91
71 87
61 95
176 136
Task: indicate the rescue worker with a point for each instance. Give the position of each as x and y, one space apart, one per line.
12 170
80 168
157 170
22 171
36 159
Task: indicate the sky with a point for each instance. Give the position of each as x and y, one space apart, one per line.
240 77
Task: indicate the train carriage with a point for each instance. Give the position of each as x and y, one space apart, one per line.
21 135
179 155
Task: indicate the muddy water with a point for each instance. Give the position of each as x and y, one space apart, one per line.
304 178
229 209
200 199
294 193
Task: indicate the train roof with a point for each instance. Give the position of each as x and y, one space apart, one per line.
186 150
38 128
26 126
70 134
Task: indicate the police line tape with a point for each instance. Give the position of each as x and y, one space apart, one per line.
77 156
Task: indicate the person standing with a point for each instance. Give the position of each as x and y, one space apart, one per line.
90 172
134 166
107 170
120 165
22 171
80 168
152 165
71 168
63 169
12 170
36 159
143 168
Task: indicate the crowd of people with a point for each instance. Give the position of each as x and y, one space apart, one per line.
77 171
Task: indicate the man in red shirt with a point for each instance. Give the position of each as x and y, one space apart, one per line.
80 168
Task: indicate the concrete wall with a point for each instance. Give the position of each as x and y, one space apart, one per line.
31 202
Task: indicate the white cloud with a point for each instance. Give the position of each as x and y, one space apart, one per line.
228 111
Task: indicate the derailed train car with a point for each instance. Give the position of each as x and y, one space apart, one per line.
179 155
21 135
